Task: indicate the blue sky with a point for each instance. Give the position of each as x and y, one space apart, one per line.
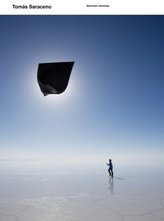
114 103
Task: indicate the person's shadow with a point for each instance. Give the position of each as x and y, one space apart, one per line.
111 185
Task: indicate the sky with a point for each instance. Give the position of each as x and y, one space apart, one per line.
114 103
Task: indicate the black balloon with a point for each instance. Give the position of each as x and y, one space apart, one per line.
53 78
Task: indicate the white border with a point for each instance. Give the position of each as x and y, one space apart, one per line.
85 7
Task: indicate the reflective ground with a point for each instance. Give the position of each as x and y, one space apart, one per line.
47 191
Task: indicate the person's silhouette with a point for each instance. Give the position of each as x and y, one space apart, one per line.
110 169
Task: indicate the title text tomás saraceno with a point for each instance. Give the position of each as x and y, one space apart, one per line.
32 6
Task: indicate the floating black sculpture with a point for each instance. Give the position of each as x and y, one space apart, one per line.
53 78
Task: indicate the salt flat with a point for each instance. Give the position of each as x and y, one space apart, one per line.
47 192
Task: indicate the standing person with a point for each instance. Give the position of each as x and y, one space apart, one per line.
110 169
